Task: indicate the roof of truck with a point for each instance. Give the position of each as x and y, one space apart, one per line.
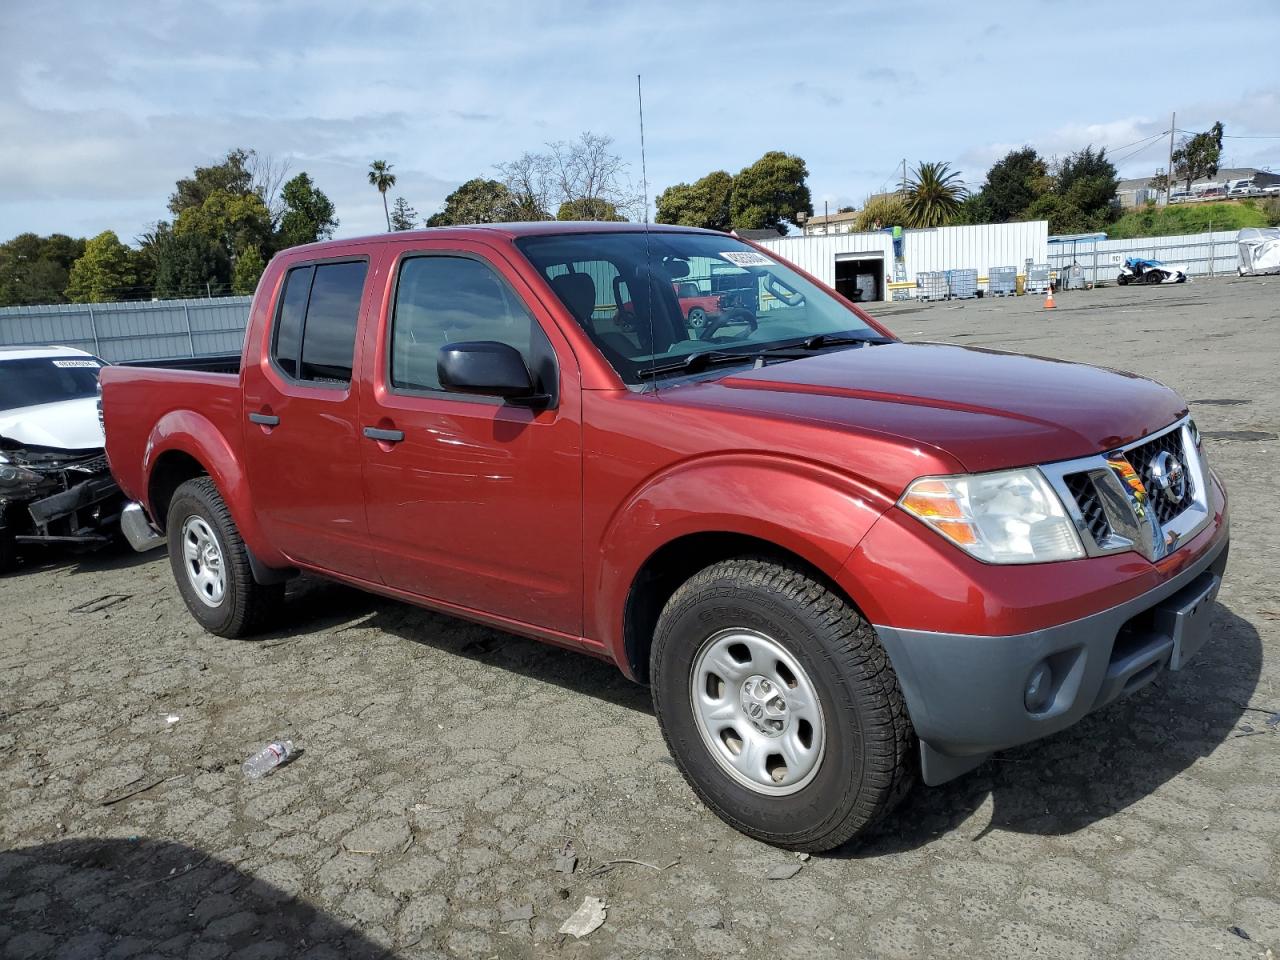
509 231
35 352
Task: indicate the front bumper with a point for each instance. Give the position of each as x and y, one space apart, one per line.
967 695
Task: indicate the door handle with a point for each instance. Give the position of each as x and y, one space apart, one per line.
264 419
387 436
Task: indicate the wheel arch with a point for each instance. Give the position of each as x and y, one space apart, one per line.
184 445
672 564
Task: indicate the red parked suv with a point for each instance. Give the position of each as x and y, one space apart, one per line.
840 561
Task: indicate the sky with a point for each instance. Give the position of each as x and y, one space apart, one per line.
103 106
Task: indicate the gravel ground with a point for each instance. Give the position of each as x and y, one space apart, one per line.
446 767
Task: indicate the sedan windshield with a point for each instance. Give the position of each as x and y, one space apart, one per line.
34 380
650 301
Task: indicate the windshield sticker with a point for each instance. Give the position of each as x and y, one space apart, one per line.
747 258
77 363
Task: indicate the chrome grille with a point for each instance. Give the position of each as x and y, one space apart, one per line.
1118 500
1144 455
1090 504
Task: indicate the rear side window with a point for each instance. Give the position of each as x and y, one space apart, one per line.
316 330
293 307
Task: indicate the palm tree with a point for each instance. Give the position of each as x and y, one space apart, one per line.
933 195
380 176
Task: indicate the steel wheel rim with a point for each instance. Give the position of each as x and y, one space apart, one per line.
697 317
757 711
202 559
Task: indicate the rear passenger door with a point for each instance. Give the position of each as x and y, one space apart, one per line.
478 503
303 441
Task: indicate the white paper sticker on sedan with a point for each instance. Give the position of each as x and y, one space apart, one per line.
747 258
77 363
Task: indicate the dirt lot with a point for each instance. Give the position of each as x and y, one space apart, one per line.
446 766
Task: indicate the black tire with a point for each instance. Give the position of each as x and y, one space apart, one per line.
1153 276
697 317
1122 280
869 761
246 606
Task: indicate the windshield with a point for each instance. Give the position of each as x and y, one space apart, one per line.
32 381
709 292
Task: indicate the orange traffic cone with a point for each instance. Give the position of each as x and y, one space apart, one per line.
1048 300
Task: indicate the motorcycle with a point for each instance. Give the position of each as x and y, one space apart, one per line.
1140 270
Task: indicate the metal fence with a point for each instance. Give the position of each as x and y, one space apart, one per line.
1200 254
155 330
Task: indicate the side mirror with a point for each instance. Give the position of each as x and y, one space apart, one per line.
485 367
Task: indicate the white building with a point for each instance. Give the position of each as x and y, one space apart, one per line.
853 262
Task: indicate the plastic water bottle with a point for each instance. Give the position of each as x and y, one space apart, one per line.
268 758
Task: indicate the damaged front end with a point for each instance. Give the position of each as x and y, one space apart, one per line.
54 496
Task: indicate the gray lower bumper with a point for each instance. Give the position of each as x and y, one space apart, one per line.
967 694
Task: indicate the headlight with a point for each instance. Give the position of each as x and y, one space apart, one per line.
1013 516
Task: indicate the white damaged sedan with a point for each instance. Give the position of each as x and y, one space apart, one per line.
55 486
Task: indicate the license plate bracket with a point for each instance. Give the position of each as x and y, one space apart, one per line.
1187 616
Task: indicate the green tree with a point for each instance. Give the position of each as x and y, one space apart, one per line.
247 272
36 269
403 216
476 201
105 272
1083 194
588 208
236 222
308 213
771 192
381 177
704 203
884 210
187 265
232 175
933 195
1198 155
1013 183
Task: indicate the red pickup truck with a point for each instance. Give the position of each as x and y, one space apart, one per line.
840 561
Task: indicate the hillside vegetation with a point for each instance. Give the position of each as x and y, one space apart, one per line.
1151 221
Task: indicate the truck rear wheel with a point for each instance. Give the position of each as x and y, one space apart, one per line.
779 705
211 564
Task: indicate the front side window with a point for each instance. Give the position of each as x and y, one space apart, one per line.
316 330
648 302
442 300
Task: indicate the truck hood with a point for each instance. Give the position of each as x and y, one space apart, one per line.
66 425
985 408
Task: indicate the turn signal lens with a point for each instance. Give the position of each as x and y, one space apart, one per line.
1013 516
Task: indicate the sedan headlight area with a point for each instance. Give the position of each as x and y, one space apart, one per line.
1012 516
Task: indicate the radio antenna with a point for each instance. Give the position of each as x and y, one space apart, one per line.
648 254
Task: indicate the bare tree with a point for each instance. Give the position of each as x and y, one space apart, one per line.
530 182
267 175
582 176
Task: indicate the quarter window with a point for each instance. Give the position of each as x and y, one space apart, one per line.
316 331
441 300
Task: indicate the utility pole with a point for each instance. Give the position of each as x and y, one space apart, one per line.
1168 182
904 175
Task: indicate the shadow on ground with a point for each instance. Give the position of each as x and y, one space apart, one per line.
96 898
1102 765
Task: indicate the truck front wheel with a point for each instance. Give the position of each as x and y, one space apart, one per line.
779 705
211 564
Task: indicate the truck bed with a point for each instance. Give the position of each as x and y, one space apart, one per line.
141 403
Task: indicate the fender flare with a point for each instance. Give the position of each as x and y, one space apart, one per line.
186 431
805 508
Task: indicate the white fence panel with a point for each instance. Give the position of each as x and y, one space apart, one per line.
1200 254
